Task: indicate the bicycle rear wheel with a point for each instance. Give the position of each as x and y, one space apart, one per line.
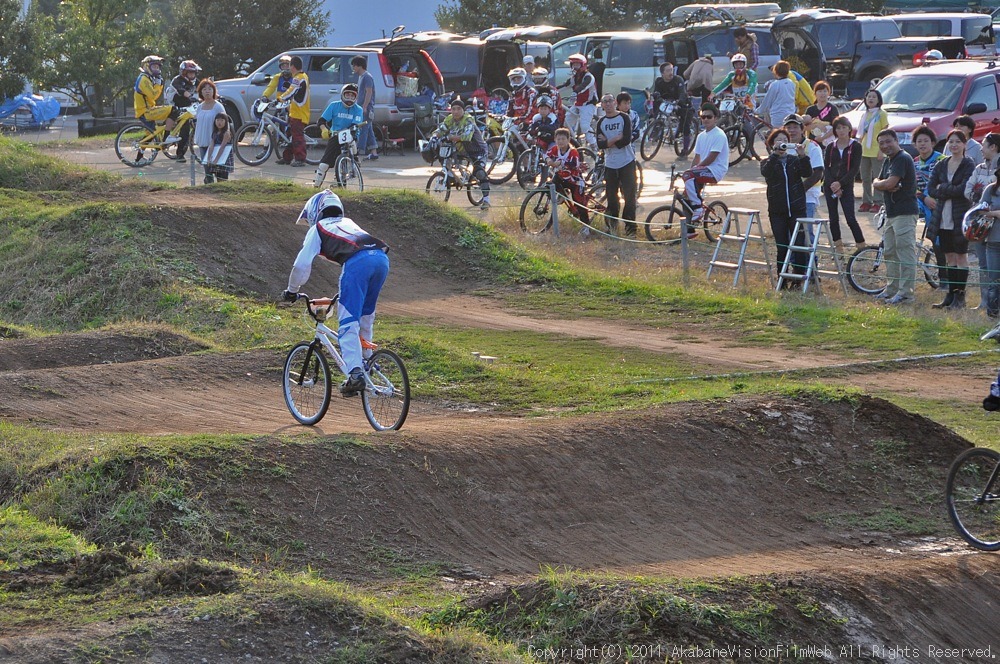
529 169
973 496
663 224
306 384
536 212
758 141
347 174
500 160
253 149
739 143
686 136
387 400
866 271
132 145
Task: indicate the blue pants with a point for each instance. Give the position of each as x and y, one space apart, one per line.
361 282
366 137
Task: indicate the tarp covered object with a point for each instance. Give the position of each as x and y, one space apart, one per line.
43 109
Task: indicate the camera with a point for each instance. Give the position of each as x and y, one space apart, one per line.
785 146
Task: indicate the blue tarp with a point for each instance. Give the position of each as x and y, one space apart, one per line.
43 109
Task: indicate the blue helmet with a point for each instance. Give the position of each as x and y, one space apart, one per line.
316 207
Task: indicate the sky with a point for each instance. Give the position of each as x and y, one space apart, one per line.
361 20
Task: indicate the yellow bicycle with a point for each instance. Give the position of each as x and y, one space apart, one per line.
137 145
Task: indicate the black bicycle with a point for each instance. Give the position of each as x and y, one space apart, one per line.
974 497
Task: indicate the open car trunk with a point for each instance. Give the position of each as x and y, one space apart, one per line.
800 50
497 57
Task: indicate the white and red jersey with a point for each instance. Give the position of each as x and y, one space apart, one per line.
584 86
521 104
557 106
570 165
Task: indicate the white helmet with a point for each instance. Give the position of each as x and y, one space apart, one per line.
518 77
739 57
540 75
317 206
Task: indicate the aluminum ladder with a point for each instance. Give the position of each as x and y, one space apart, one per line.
812 229
731 232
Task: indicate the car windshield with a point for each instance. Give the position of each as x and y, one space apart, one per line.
920 94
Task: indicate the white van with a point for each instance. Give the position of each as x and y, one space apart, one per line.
975 29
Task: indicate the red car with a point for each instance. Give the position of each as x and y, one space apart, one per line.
938 93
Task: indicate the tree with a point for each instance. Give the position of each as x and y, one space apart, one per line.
16 47
92 49
476 15
225 37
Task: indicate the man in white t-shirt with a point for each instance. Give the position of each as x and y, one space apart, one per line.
710 162
813 184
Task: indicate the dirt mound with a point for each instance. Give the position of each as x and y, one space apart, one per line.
87 348
746 486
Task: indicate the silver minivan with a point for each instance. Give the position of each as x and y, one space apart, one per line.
329 69
618 60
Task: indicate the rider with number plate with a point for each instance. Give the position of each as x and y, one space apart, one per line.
147 90
669 87
460 128
339 115
741 81
364 264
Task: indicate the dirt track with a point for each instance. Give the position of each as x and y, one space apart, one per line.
748 486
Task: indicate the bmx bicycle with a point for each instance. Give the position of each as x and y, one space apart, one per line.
664 223
307 381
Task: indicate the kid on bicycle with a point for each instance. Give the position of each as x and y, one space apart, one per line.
339 115
568 177
147 90
460 127
543 126
364 264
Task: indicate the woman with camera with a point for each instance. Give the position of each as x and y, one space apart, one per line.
784 172
841 165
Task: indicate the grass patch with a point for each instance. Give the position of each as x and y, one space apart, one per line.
967 419
645 619
24 167
26 541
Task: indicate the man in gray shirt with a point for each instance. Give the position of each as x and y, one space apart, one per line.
614 136
366 99
898 184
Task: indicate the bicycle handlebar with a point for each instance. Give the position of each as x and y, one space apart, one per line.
314 304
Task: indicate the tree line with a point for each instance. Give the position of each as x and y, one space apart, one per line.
91 49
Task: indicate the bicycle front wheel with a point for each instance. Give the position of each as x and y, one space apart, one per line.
132 145
529 169
536 212
739 143
652 140
974 497
306 383
638 179
663 224
866 271
315 144
758 141
437 187
686 136
253 144
715 215
387 400
347 174
500 160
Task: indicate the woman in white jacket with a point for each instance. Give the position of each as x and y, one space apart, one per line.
779 102
982 177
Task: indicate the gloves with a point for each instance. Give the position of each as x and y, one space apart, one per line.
325 132
289 296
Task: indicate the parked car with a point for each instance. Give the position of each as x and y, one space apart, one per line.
684 45
543 33
741 11
329 69
465 63
619 60
859 49
975 29
936 94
